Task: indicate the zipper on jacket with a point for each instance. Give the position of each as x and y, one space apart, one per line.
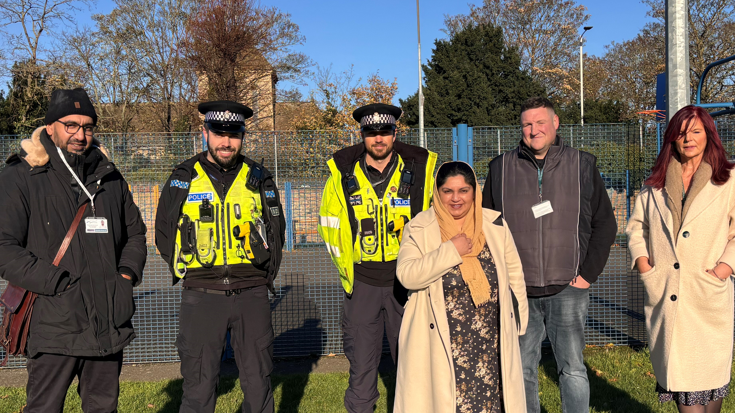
224 229
224 238
540 173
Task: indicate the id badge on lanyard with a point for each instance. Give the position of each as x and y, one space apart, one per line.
543 207
94 225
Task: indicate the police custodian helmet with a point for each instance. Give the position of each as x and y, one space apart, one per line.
377 116
225 116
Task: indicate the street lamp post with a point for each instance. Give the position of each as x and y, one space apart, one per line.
581 75
421 93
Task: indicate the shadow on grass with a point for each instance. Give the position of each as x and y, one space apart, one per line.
310 337
603 395
292 391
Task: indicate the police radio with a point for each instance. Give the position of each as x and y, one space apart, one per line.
255 176
407 179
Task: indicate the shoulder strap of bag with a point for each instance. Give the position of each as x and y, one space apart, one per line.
69 235
16 326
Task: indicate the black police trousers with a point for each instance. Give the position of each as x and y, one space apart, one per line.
365 314
50 375
204 320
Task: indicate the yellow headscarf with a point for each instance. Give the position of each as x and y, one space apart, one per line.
472 273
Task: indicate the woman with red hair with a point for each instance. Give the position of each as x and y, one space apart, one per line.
680 237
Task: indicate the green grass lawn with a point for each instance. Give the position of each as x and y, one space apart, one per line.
621 380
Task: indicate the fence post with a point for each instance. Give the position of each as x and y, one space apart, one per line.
470 147
454 144
499 150
571 136
627 193
288 196
462 142
275 156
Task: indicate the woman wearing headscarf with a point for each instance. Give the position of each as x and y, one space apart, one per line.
467 305
680 238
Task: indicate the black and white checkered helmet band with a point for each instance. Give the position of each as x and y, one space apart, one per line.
377 118
224 117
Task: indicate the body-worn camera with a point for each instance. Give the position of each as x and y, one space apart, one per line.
205 211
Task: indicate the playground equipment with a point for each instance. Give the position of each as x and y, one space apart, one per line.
729 106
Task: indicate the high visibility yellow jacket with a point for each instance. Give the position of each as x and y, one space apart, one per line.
339 224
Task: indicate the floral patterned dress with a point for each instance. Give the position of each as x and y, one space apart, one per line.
475 336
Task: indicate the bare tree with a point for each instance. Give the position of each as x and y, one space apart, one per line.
141 39
240 50
35 17
104 63
711 37
30 20
629 68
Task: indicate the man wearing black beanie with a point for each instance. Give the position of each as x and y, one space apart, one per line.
82 313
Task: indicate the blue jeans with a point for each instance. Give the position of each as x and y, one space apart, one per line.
562 317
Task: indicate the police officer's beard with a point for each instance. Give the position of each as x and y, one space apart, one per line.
224 163
379 156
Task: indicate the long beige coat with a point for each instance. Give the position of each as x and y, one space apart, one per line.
425 381
689 313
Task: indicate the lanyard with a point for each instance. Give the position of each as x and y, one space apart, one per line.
540 182
84 188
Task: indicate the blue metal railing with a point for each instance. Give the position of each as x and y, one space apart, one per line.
729 105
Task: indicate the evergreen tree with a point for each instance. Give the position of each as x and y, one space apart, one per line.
6 126
26 102
472 78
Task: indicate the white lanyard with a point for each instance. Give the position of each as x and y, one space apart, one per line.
84 188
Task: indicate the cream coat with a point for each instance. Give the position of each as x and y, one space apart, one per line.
425 381
689 313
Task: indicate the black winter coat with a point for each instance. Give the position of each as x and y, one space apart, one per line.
84 307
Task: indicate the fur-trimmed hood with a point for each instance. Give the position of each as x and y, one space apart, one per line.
36 155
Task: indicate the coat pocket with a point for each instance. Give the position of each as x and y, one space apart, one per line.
64 311
712 280
646 275
123 303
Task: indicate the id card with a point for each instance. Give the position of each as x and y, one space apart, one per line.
541 209
95 225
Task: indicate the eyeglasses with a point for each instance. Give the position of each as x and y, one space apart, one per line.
72 128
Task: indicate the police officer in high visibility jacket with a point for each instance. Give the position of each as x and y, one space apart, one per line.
220 227
374 189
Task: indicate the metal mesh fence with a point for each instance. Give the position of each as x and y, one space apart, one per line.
306 306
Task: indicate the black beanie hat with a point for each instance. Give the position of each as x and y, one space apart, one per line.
65 102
